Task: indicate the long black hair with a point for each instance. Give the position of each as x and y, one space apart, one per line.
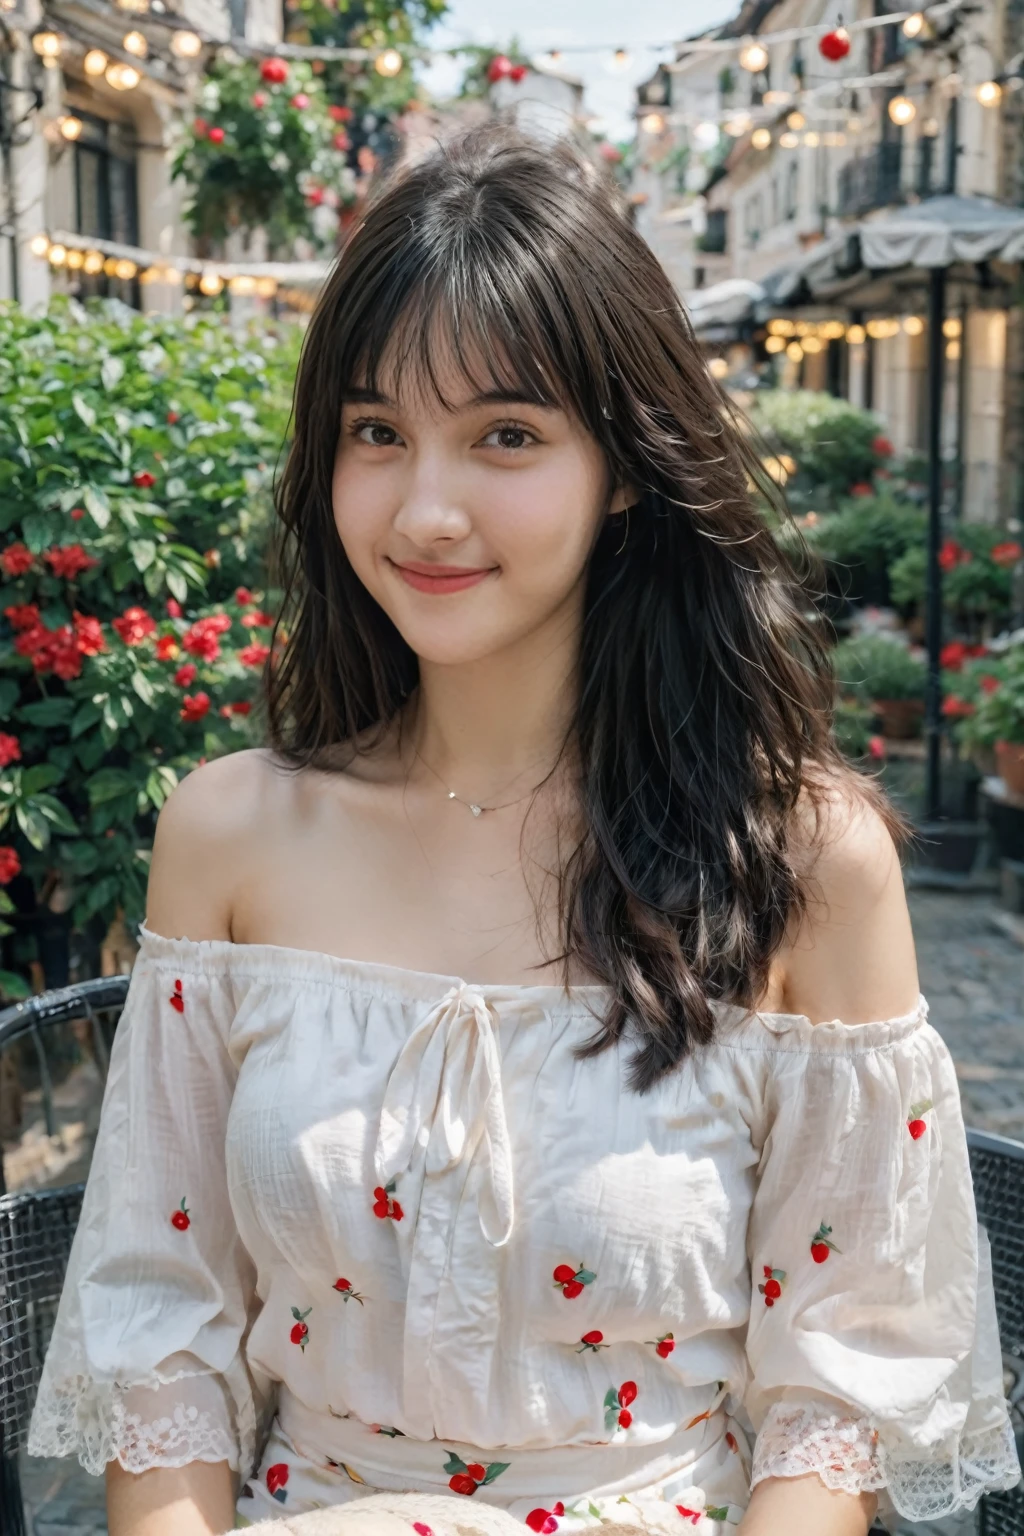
705 693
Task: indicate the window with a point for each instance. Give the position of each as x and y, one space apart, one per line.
752 219
106 196
792 189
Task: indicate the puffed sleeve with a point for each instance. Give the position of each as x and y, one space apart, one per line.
146 1363
872 1345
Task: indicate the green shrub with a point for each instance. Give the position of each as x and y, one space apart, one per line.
136 456
863 540
998 713
873 667
977 563
835 445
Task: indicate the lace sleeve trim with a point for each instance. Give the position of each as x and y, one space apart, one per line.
849 1455
145 1424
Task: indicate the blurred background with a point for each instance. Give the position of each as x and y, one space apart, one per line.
837 194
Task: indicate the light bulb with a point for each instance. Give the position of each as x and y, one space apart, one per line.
794 351
95 61
266 287
952 327
211 284
989 93
653 122
780 327
913 325
914 25
135 43
57 255
75 260
812 344
242 286
789 140
952 350
388 63
812 140
122 77
902 111
110 266
70 127
761 138
718 368
39 245
186 44
93 263
833 330
754 57
855 335
775 344
796 121
125 269
47 45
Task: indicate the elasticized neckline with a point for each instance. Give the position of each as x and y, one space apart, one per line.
278 962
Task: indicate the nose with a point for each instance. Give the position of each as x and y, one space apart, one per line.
431 511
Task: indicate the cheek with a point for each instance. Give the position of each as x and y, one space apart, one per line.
362 511
544 522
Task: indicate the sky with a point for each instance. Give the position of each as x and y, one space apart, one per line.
540 25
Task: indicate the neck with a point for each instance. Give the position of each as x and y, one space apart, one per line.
498 724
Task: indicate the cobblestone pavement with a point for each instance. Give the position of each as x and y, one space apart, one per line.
971 971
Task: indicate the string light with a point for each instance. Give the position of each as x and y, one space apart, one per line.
855 335
794 352
653 123
761 138
388 63
914 25
95 61
75 260
902 111
211 284
135 43
952 327
832 330
718 368
789 140
57 255
812 140
121 77
953 350
796 121
186 44
39 245
913 325
47 45
989 93
754 57
775 344
70 127
93 263
812 344
620 60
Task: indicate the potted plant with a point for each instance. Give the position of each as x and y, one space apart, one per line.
998 719
888 676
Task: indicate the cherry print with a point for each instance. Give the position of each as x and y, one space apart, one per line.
693 1515
387 1429
466 1479
593 1340
181 1218
176 999
627 1393
616 1405
663 1345
383 1205
572 1281
544 1521
821 1246
916 1125
476 1471
344 1289
625 1419
771 1289
462 1483
277 1476
421 1529
300 1332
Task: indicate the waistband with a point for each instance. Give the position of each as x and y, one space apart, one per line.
396 1463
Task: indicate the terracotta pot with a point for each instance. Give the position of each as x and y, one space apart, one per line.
1010 763
901 718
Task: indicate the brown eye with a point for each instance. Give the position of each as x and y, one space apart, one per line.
377 434
510 438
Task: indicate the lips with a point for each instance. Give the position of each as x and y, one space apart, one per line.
440 579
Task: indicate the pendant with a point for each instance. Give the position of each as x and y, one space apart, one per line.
476 809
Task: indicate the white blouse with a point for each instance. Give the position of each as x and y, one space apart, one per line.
396 1200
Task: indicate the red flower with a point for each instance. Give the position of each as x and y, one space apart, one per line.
989 684
254 655
186 675
957 709
315 196
341 140
862 488
23 615
172 417
881 446
257 620
69 561
259 99
181 1219
201 643
10 865
340 114
953 554
277 1476
51 650
300 101
76 514
134 626
144 479
544 1521
951 657
1006 554
88 634
499 68
194 707
274 71
519 72
173 608
16 560
167 648
243 597
10 749
216 135
876 746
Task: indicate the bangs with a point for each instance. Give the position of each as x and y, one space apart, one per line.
461 321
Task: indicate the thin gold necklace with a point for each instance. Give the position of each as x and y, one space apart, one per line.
471 805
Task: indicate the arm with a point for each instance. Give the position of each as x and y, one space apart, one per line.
195 1500
803 1506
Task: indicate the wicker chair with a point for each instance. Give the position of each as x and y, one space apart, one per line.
36 1229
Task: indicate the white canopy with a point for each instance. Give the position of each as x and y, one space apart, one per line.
942 230
726 303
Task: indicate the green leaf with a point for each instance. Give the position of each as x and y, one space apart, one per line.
14 987
6 904
59 814
47 712
97 505
41 776
143 553
111 372
143 687
611 1399
176 488
161 783
86 715
105 892
34 825
176 584
454 1464
495 1469
586 1276
8 697
108 784
84 412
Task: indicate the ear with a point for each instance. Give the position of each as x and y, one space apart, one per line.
625 497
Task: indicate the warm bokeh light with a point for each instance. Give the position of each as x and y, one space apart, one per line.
95 61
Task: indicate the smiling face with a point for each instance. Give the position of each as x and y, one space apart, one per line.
471 521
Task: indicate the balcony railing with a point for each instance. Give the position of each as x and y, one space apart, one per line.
873 180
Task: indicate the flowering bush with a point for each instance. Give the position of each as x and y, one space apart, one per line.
987 700
837 448
977 563
135 464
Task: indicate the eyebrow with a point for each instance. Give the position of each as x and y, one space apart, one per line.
354 396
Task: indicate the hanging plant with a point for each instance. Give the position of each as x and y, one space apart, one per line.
834 45
488 66
263 152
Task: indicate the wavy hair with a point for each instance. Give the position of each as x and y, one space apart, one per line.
705 694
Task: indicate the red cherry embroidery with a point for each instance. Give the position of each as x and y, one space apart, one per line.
771 1289
821 1244
915 1124
421 1529
181 1218
616 1406
277 1476
345 1290
571 1281
176 1000
693 1515
383 1205
300 1332
593 1340
466 1479
663 1345
544 1521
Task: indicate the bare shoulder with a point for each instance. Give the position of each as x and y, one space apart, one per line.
851 955
206 839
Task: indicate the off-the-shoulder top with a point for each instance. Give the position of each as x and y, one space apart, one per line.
407 1201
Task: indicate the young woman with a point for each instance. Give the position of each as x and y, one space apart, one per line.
525 1093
